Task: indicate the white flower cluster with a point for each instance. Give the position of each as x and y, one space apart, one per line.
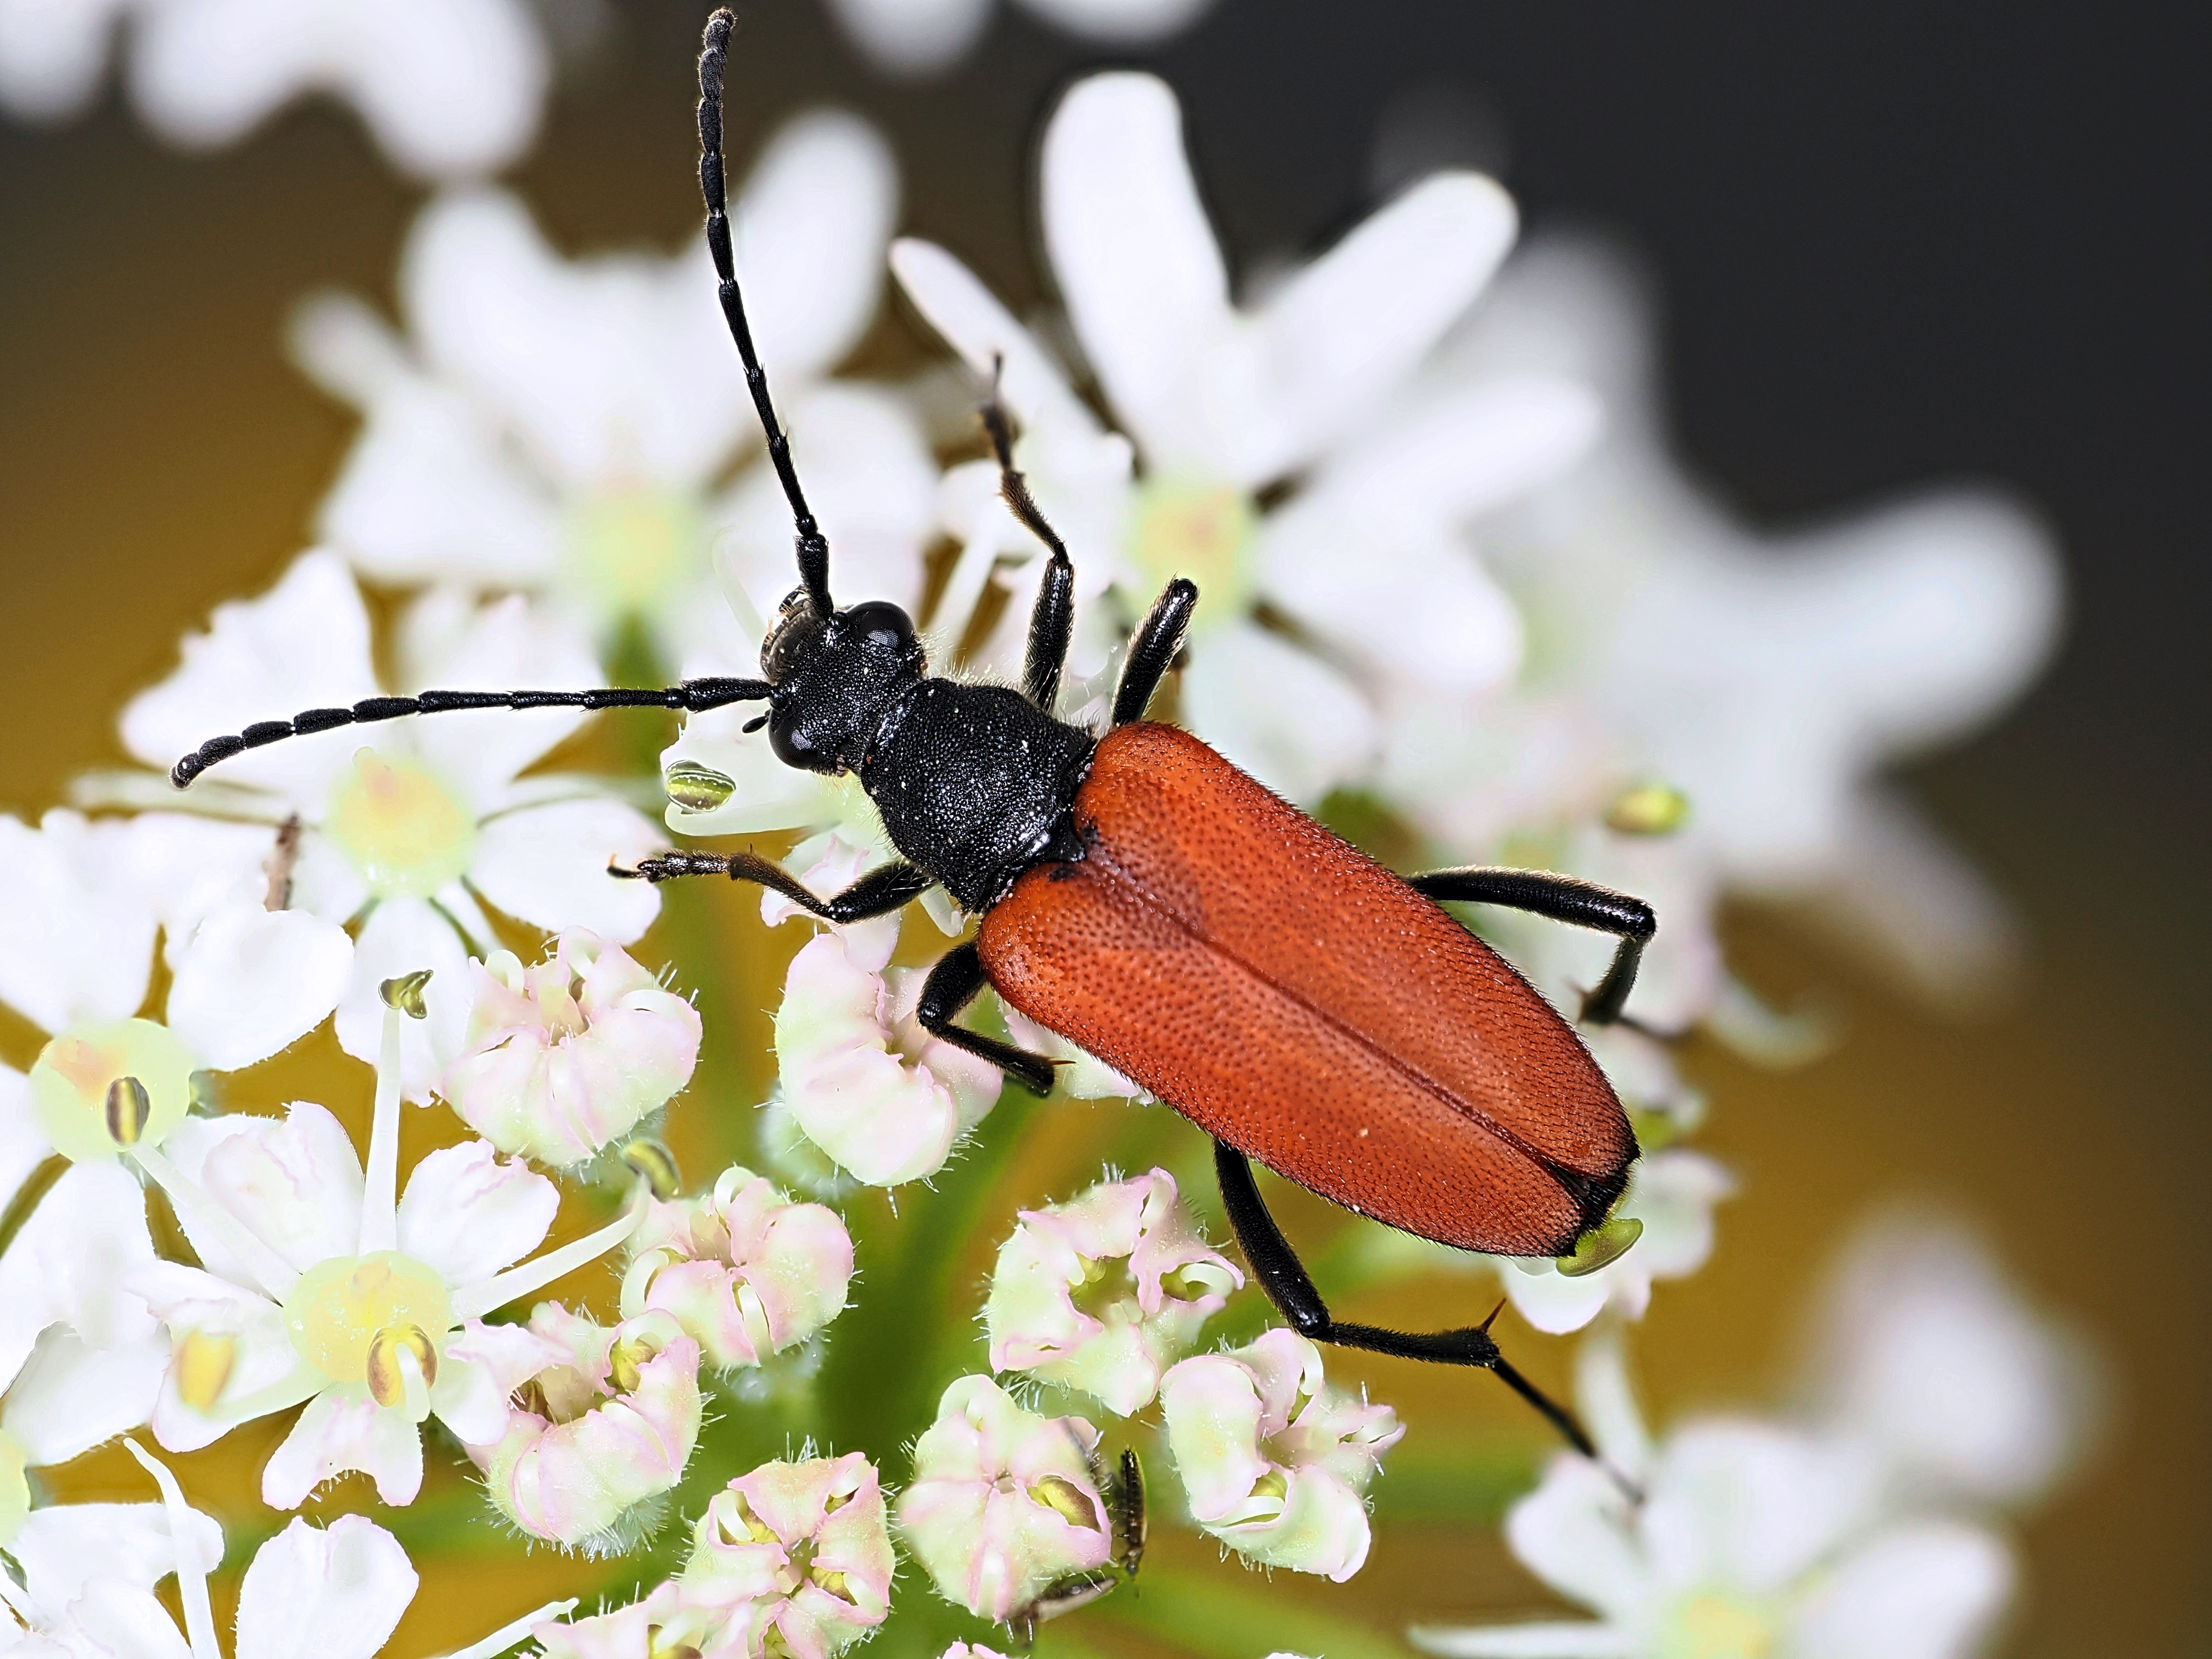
1450 585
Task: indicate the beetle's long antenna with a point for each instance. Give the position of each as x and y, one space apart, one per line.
692 697
714 58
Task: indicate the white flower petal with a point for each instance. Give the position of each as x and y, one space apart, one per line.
23 1144
1555 1304
445 642
266 1374
468 1213
304 644
1538 1640
62 1546
912 37
448 86
69 1397
114 1621
402 936
624 393
1282 715
338 1595
958 306
1572 1532
52 56
811 227
76 943
296 1183
343 1430
547 865
1931 1590
251 981
68 1263
1123 22
1351 327
1135 259
1751 1503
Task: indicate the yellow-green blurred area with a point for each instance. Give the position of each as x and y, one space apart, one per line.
1894 248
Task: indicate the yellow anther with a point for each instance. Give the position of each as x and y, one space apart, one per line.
626 1361
1066 1499
1649 809
387 1376
833 1582
405 993
1603 1244
203 1360
1271 1484
656 1163
129 1106
697 788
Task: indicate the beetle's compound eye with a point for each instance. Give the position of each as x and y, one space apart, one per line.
878 625
798 627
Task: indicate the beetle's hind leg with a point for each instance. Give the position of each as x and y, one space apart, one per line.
950 986
877 893
1561 898
1283 1277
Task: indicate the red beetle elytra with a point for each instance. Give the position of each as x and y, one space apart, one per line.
1144 898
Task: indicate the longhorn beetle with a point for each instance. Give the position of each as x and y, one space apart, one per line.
1144 898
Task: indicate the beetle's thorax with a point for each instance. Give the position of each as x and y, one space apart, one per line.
975 784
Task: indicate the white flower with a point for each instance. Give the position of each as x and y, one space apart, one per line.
405 824
1750 1538
1930 1356
567 1056
322 1284
1768 678
1105 1291
337 1593
925 37
1222 403
64 1549
568 426
1275 1461
860 1076
449 88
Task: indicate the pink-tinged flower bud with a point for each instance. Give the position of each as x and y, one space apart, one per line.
795 1558
654 1627
1106 1291
971 1650
593 1438
1003 1504
567 1056
1274 1460
744 1270
867 1085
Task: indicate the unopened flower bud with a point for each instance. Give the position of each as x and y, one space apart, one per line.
567 1056
1106 1291
744 1271
1002 1506
1648 809
656 1163
1274 1460
598 1437
797 1553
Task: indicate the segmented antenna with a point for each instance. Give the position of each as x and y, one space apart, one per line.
714 58
692 697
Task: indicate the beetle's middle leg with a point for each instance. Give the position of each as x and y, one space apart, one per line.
1561 898
950 986
1288 1285
877 893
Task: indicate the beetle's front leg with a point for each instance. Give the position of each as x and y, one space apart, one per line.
1152 649
1561 898
1288 1285
877 893
952 986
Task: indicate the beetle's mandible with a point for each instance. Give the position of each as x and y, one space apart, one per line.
1144 898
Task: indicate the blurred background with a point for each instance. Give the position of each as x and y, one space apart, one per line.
1902 246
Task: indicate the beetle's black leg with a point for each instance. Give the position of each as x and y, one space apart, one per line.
1283 1277
950 986
1052 623
692 697
1152 648
877 893
1562 898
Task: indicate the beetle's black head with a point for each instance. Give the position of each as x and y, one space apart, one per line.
834 677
